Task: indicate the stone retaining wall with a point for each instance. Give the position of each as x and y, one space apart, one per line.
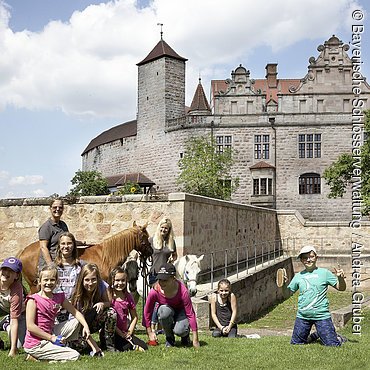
255 294
201 224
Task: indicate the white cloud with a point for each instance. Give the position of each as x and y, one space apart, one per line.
39 193
87 66
26 180
4 175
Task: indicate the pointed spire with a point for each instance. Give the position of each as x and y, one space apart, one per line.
199 104
162 49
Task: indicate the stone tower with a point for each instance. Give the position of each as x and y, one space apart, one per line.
161 89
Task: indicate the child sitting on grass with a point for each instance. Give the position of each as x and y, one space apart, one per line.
45 340
313 304
224 310
124 304
91 298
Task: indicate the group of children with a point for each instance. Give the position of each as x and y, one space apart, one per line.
56 323
74 302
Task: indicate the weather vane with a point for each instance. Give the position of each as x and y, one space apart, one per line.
161 24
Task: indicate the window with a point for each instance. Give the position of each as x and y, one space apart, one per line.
223 143
310 183
234 107
261 146
262 186
309 145
346 105
302 106
320 105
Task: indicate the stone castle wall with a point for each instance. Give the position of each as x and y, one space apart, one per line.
160 160
319 103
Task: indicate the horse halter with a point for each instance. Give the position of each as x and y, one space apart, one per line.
187 279
143 244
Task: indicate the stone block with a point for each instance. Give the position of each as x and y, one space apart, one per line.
342 316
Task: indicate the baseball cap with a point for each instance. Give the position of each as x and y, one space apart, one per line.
306 249
166 271
13 263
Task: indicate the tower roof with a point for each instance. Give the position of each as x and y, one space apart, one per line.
162 49
200 102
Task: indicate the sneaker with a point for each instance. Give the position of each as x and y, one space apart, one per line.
185 341
138 348
170 342
341 338
97 354
153 342
111 349
313 337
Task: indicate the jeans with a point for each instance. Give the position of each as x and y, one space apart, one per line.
325 330
173 322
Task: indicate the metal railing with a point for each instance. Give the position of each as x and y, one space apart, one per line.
239 259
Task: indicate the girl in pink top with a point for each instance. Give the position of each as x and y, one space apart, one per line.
44 340
124 304
175 312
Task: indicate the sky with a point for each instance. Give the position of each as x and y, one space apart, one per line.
68 67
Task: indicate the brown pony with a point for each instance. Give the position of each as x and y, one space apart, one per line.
111 252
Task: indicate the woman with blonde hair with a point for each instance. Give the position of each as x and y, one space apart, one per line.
164 247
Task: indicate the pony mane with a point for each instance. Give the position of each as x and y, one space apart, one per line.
116 248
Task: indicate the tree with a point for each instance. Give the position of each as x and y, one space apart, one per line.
88 183
206 172
344 171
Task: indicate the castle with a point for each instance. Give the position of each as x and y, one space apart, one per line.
284 132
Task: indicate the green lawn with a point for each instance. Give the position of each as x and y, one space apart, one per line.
241 353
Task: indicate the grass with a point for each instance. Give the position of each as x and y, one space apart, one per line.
283 315
265 353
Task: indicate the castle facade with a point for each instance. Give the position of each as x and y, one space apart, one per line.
284 132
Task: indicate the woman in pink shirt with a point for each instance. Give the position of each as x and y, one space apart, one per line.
175 312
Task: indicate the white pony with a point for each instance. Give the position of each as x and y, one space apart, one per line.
187 270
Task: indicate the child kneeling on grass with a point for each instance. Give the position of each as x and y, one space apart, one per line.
313 304
224 310
44 340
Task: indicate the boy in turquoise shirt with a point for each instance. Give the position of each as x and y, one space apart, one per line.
313 304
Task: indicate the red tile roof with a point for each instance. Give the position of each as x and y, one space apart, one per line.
283 86
261 164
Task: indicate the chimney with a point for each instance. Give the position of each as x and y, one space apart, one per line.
271 74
